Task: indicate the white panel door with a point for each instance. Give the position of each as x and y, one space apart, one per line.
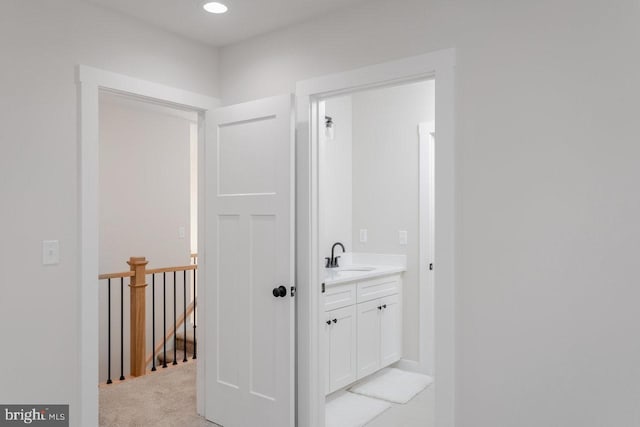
249 264
390 330
368 337
342 347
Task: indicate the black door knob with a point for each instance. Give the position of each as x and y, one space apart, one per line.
280 291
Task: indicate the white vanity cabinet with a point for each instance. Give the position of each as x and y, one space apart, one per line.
362 329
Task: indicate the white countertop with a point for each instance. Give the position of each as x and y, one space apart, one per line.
353 272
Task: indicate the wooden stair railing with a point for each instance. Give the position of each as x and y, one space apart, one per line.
116 275
139 360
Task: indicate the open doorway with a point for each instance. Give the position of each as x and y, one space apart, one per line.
91 82
312 127
374 211
147 211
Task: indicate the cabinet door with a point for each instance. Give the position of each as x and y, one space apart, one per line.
391 330
326 346
369 314
342 347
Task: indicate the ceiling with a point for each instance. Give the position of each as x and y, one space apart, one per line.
245 18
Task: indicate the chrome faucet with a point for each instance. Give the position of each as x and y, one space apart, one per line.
333 261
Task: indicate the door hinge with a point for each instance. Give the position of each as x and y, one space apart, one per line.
431 266
323 288
293 291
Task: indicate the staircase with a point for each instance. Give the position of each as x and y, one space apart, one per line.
164 316
180 342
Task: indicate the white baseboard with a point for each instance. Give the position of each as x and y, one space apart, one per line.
408 365
411 366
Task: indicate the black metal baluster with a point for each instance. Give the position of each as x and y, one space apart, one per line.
153 322
109 333
194 316
184 304
175 332
164 317
121 328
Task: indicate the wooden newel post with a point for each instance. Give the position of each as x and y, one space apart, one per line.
138 315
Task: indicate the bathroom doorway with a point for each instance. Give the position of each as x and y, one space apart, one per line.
375 185
376 197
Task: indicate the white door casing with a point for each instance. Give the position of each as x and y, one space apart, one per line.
426 132
249 246
439 65
90 82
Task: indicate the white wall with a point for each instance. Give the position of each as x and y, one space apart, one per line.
335 179
41 43
386 183
144 200
144 184
547 172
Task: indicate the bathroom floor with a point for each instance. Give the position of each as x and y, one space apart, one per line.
418 412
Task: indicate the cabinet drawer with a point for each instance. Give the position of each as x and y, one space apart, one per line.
339 296
380 287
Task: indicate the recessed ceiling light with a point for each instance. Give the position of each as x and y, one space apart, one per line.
215 7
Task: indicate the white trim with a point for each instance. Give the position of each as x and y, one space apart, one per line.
426 132
90 80
409 365
439 65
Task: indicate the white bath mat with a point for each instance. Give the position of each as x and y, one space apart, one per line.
393 385
352 410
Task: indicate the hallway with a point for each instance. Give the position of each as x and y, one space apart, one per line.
166 398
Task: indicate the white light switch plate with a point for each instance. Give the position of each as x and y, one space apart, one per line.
363 235
402 235
50 252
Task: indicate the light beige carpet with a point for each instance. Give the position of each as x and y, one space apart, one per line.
165 398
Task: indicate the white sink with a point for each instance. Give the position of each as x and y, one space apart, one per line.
355 268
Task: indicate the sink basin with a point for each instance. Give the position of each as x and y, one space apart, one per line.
355 268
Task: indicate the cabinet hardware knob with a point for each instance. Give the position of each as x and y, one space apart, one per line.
379 307
335 320
384 306
328 322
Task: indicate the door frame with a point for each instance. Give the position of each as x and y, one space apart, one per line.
90 81
439 65
426 138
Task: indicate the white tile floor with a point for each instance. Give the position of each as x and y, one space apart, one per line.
418 412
